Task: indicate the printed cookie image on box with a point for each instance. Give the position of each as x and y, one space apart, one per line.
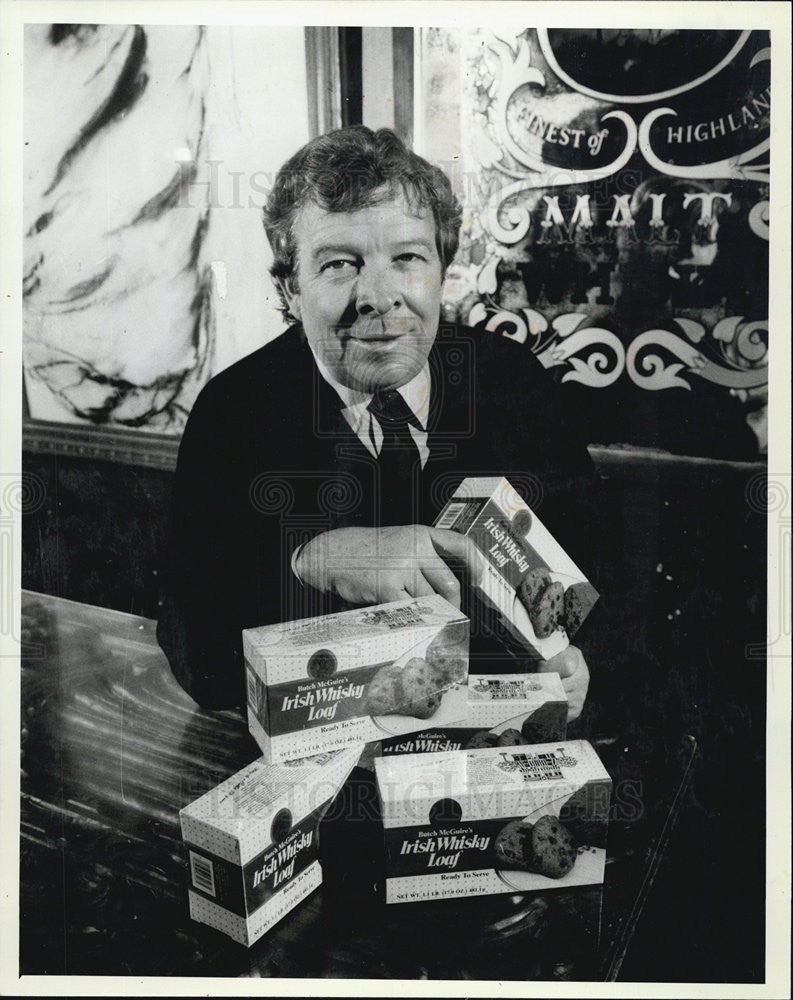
503 710
495 820
323 683
252 842
531 591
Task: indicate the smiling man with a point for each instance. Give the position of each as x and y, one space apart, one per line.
310 472
368 290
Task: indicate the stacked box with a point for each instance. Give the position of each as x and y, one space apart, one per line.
503 710
478 822
252 842
324 683
530 593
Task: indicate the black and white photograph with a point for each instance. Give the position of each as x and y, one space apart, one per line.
396 497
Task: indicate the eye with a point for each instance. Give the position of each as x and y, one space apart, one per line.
338 265
410 256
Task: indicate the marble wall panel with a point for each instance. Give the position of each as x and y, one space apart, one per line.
148 153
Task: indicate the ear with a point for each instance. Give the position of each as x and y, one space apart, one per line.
289 290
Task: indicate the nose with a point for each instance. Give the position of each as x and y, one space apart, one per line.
376 291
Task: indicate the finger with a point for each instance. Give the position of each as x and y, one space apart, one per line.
419 586
570 684
564 663
442 581
549 666
449 545
457 551
392 592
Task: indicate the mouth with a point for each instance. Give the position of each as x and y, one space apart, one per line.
377 339
379 330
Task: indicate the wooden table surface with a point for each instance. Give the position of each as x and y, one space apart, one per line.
112 748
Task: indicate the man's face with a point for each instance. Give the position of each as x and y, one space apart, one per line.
368 291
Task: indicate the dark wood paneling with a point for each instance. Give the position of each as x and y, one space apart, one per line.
97 531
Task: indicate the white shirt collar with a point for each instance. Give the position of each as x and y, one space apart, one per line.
416 394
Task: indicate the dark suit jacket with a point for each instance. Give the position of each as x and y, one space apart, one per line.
267 460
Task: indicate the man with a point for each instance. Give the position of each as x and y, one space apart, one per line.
310 472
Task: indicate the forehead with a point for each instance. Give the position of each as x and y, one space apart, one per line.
392 221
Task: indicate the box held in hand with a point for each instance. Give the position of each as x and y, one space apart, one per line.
320 684
479 822
253 844
530 592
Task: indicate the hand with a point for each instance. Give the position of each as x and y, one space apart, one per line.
571 667
376 565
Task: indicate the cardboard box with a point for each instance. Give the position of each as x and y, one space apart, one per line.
531 592
252 842
478 822
320 684
503 710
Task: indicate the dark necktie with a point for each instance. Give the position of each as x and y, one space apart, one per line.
399 461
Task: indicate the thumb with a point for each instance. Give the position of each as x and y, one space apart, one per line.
456 549
564 663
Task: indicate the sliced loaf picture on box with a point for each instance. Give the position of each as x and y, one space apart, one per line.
495 820
320 684
530 592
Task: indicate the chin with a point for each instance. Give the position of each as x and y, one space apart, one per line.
388 376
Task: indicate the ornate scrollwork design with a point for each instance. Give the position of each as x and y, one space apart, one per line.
737 167
603 359
740 363
518 219
759 217
597 358
508 218
516 71
681 88
648 369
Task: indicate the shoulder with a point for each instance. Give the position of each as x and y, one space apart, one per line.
496 361
254 400
263 368
521 399
261 380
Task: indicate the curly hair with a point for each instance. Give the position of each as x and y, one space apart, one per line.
349 169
